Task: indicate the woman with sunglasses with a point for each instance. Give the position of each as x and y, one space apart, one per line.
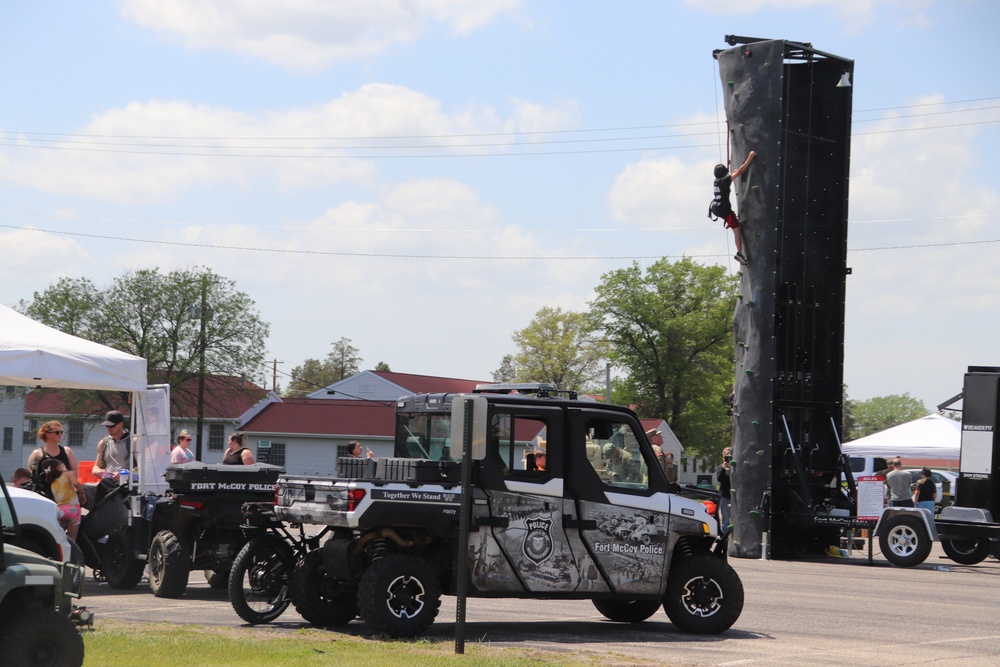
51 433
182 452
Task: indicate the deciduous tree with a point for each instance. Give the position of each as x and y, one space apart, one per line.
560 347
342 361
670 330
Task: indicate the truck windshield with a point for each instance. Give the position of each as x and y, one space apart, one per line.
422 435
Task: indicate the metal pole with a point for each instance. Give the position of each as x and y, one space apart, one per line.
465 517
203 315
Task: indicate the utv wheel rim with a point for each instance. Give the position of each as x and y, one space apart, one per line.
702 597
405 597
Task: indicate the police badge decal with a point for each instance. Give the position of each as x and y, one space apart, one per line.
538 542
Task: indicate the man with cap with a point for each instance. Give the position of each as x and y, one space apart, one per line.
113 449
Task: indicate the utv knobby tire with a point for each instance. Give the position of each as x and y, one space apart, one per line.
259 579
318 598
399 595
627 611
904 541
169 565
119 566
704 595
968 551
41 638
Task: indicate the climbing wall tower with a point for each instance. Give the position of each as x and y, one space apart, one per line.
792 105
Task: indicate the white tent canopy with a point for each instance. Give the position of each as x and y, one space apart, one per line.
33 354
930 437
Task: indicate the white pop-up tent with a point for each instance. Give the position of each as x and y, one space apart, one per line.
931 437
33 354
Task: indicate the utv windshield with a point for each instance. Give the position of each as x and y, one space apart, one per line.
423 435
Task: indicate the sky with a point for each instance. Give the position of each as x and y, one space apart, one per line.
423 176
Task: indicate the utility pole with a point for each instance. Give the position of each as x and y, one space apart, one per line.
204 313
274 374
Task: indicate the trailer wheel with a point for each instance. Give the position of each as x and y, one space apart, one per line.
119 565
169 565
627 611
399 596
704 595
318 598
905 541
966 552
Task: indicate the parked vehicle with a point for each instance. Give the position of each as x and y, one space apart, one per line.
36 600
967 529
40 531
603 528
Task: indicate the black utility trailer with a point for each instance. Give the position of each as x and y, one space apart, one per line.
967 530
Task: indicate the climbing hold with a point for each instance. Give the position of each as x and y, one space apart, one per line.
730 83
739 296
751 304
750 372
755 422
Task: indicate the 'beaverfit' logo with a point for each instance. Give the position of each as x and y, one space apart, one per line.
538 542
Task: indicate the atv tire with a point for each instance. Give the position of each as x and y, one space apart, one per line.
704 595
169 565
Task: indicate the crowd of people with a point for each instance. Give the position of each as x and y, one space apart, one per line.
54 471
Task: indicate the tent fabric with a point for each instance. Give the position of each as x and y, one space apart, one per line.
33 354
931 437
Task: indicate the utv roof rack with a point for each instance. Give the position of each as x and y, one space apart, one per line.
542 389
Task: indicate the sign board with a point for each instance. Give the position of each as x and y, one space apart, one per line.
871 494
263 451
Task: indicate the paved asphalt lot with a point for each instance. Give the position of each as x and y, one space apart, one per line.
810 612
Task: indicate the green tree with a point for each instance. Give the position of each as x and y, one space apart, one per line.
157 316
383 367
560 347
342 361
507 372
863 418
670 329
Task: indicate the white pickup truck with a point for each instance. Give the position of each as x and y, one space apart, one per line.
40 530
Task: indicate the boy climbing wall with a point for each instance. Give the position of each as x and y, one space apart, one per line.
721 208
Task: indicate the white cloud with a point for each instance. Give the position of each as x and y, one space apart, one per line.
118 156
307 34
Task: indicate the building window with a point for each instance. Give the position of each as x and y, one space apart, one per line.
75 438
277 454
8 438
216 437
30 432
342 451
11 391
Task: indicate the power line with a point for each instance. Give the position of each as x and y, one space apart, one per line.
337 253
477 134
439 230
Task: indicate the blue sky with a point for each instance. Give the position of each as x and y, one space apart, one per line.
421 177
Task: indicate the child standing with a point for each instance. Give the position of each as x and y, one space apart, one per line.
63 485
721 208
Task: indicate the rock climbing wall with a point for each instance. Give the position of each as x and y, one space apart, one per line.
783 101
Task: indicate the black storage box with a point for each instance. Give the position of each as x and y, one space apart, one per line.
419 470
198 477
352 468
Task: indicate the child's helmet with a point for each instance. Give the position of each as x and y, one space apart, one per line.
720 170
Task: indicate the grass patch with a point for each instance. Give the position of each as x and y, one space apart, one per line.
123 644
